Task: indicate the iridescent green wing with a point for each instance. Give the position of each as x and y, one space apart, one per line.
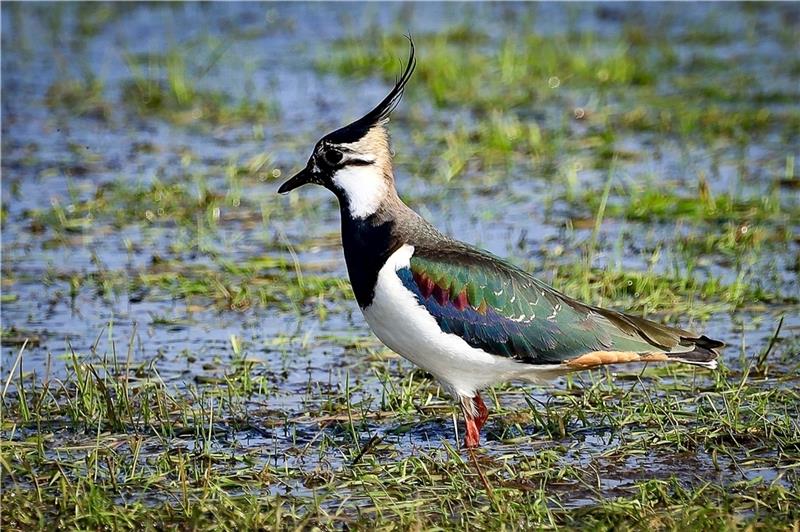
505 311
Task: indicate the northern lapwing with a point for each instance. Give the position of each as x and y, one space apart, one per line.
469 318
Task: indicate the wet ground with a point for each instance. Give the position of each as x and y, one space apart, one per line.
144 246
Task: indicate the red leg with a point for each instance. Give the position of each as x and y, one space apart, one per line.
473 437
475 415
483 412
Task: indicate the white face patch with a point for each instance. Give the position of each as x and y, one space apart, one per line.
364 186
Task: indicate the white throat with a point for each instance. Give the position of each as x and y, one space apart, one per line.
364 187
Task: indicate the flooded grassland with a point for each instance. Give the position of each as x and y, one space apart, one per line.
180 345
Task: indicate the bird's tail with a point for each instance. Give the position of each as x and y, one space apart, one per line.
704 353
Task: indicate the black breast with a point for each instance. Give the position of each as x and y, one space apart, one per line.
367 244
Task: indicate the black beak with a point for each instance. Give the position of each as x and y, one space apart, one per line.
298 180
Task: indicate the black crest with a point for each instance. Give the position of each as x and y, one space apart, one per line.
380 114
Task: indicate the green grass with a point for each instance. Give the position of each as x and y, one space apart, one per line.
320 427
650 203
456 62
80 97
129 433
176 103
166 87
613 86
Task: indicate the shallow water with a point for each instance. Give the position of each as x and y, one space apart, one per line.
52 157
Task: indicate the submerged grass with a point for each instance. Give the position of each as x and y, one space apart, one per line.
166 86
647 203
80 97
555 96
319 427
219 455
460 59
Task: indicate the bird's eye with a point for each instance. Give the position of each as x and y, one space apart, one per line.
332 156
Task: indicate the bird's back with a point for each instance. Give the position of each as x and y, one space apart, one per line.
502 309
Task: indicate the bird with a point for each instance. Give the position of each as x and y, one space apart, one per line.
467 317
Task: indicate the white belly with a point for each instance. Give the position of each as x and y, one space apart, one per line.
406 327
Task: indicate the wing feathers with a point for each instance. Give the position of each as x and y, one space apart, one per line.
507 312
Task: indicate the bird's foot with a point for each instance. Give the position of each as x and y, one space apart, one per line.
475 416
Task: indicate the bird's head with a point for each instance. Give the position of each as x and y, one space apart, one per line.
355 162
